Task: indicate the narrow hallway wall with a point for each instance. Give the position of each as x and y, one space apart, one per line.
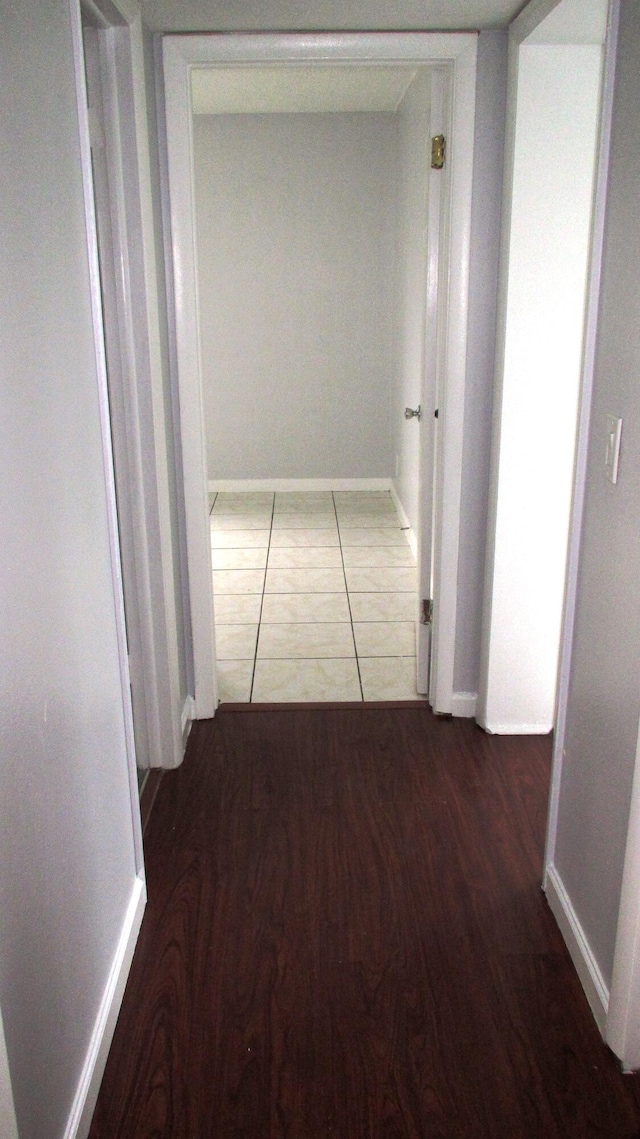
67 857
604 703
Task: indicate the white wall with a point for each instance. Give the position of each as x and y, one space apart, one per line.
414 153
295 217
67 865
604 697
555 139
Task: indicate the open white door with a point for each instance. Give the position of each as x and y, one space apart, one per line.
432 365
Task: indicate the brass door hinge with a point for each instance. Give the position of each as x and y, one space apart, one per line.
438 146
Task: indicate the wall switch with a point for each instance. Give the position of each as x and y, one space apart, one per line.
612 453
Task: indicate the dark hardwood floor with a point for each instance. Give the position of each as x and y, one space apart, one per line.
346 937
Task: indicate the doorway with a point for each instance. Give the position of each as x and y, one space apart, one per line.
311 210
454 59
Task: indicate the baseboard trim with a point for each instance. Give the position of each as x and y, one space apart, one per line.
186 719
464 704
86 1095
215 485
404 521
576 940
515 729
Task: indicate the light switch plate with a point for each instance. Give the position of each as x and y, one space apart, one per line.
612 453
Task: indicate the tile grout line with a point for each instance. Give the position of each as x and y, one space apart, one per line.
264 586
346 586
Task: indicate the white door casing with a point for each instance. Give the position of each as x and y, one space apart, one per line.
137 414
455 55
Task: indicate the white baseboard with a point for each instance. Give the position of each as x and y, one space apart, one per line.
586 965
215 485
404 522
8 1122
464 704
515 729
86 1095
188 715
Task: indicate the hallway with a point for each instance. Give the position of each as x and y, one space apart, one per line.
346 937
315 597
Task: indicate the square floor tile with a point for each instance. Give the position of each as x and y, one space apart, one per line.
382 580
238 581
260 499
229 509
236 642
292 681
304 521
383 606
293 503
367 509
234 680
363 521
363 498
372 536
378 556
257 521
305 581
303 557
305 640
239 539
287 539
237 609
239 559
385 678
385 638
286 607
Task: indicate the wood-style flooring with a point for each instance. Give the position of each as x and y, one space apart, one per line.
346 937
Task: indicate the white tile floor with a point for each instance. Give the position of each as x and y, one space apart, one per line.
315 597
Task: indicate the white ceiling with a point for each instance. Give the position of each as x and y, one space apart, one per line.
328 15
268 90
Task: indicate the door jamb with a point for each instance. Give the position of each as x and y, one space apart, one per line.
455 51
120 26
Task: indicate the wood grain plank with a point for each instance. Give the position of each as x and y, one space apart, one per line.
346 936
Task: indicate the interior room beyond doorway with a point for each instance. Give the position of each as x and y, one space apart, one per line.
311 210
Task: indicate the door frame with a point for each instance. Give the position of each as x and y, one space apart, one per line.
455 53
136 416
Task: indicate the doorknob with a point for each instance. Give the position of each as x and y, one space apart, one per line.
413 412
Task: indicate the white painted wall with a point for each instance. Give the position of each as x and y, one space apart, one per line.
414 153
538 381
296 222
67 861
604 695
